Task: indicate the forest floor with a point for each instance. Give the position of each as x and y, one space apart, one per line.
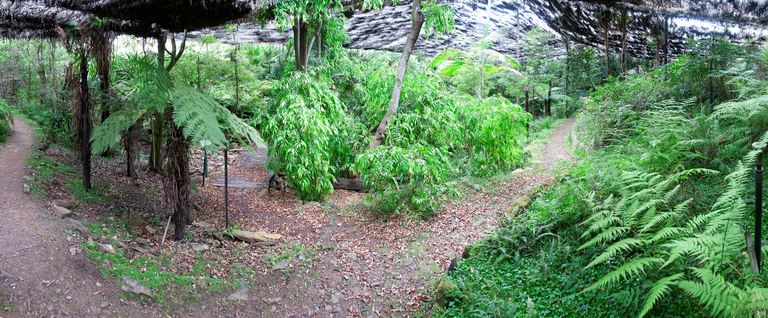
334 259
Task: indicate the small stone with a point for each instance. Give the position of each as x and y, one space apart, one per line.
337 297
150 230
454 264
203 225
134 286
73 250
58 290
240 294
105 263
65 203
518 205
142 241
68 298
106 248
282 264
351 255
61 212
104 305
141 250
199 247
272 300
28 178
26 189
253 237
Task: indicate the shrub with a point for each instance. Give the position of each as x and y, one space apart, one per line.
404 179
6 120
299 126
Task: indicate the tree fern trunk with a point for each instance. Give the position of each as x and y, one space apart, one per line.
129 144
85 102
179 180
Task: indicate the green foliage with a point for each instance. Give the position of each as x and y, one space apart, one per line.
6 120
470 69
404 179
299 126
495 129
201 117
667 243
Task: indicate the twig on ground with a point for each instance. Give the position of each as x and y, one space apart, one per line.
162 243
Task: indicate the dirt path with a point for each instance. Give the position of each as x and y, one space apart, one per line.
351 265
332 260
39 276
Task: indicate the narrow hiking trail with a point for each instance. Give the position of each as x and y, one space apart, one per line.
334 260
42 272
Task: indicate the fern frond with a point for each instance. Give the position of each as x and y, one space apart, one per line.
714 292
624 245
107 135
659 290
199 115
602 224
627 270
607 235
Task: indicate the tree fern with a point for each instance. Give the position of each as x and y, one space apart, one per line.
205 119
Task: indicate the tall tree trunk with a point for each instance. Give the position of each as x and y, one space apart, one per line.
711 92
312 42
102 46
624 22
130 139
300 44
567 69
517 34
179 180
155 159
666 40
417 21
527 110
85 106
54 80
606 33
549 100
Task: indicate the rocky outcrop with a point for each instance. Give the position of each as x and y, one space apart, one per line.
386 29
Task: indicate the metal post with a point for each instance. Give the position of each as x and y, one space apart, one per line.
226 190
758 212
759 202
205 164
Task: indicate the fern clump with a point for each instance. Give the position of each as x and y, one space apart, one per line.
652 235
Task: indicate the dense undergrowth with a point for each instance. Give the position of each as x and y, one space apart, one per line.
652 220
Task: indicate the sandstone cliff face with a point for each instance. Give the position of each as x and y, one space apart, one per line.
387 29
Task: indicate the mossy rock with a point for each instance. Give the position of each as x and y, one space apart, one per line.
444 288
468 252
518 205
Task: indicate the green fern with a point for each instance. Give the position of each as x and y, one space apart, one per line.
661 238
205 119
